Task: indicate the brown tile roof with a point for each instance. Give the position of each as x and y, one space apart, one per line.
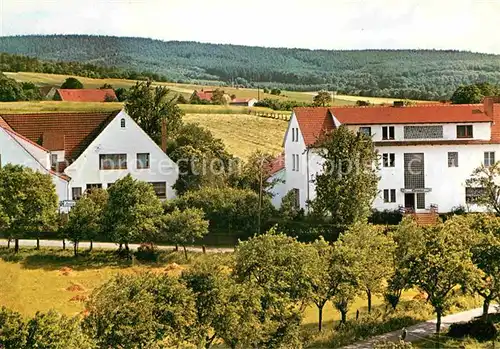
314 121
78 129
86 95
53 140
4 124
205 95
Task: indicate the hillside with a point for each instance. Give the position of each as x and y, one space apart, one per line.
416 74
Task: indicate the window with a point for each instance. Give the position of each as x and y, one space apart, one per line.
122 123
76 193
160 189
53 161
113 161
389 160
365 130
389 195
473 194
142 161
489 158
296 196
387 132
452 159
464 131
423 132
91 186
295 162
295 134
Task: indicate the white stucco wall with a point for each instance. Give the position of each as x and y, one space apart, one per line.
130 140
295 179
17 151
278 191
481 131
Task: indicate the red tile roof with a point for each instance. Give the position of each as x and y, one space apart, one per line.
4 124
53 140
78 129
278 164
314 121
15 134
205 95
86 95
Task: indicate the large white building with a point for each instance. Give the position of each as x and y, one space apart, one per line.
85 150
427 152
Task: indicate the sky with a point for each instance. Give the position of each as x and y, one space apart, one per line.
471 25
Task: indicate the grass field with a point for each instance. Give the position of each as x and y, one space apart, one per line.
243 134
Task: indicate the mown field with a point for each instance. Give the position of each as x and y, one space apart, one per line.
243 134
187 89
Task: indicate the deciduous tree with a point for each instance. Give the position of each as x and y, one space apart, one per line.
149 106
218 97
485 180
133 211
13 330
184 227
72 83
347 185
29 203
322 99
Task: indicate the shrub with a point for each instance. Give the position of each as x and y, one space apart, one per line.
12 329
386 217
478 329
147 252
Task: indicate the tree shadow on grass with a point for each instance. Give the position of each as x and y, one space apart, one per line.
55 259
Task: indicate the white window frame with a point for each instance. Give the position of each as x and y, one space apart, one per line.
489 158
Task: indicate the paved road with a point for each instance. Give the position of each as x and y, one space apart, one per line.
107 245
422 330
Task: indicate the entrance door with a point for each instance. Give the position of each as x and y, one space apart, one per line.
410 202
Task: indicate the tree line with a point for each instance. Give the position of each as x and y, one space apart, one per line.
405 74
264 288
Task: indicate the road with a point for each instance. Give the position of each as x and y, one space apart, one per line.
422 330
108 246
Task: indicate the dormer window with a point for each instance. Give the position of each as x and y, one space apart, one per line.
122 123
388 133
464 131
53 161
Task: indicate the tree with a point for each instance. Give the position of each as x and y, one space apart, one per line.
374 251
182 100
484 180
407 238
13 333
486 257
443 262
194 99
218 97
139 311
132 212
121 94
184 227
29 203
53 330
10 90
323 286
274 264
149 106
106 86
72 83
322 99
470 94
86 218
347 185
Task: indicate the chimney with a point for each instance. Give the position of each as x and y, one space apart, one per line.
398 104
488 103
164 135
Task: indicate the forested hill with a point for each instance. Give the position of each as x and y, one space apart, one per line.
420 74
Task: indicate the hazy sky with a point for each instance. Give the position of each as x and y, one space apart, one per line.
330 24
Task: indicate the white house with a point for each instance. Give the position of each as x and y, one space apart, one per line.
246 102
88 150
427 152
18 150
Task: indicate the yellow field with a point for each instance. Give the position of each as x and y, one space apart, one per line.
243 134
54 106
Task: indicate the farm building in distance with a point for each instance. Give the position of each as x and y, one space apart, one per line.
247 102
86 150
85 95
427 152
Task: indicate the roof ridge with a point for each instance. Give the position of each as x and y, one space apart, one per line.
53 113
